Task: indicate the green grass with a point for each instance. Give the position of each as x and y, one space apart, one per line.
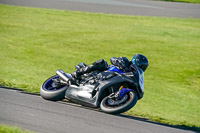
34 43
187 1
12 129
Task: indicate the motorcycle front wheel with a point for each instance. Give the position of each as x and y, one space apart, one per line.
129 100
48 90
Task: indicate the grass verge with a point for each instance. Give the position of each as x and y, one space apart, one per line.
34 43
12 129
187 1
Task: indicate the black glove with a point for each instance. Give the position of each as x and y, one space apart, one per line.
121 62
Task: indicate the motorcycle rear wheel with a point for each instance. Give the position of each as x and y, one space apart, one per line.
123 107
48 92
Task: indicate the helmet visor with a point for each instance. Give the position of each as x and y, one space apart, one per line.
133 60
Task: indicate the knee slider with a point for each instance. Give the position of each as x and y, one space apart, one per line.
101 61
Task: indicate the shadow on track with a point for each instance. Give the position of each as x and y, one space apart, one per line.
183 127
19 90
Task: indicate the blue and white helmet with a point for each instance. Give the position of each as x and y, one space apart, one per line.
140 61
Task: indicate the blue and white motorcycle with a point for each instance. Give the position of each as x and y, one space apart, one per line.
113 91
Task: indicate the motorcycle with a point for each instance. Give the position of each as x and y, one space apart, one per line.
113 91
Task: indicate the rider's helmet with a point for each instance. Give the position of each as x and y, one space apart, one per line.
140 61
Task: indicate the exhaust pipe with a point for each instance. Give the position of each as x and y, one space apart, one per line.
62 75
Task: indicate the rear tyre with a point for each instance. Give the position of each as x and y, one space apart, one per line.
49 92
131 100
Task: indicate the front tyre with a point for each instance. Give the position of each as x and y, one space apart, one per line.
49 91
129 100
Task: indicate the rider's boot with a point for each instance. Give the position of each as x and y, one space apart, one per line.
78 73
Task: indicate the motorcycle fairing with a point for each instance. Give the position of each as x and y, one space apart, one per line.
91 94
114 69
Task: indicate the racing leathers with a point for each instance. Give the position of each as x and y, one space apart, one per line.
121 63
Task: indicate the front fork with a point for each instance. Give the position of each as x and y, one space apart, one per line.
118 97
122 91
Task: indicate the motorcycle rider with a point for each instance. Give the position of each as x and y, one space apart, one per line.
121 63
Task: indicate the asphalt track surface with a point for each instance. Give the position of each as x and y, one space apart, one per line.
128 7
41 116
